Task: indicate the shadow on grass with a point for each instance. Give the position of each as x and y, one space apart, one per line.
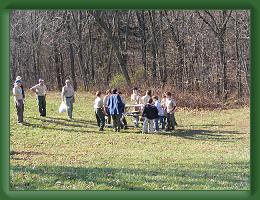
211 125
203 134
67 122
44 127
179 177
194 134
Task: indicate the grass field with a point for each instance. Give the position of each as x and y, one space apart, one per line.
209 150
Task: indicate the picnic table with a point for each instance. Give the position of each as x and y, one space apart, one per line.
136 110
133 110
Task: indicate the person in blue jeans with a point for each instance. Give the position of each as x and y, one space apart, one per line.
160 118
150 113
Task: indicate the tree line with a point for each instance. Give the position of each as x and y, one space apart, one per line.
204 52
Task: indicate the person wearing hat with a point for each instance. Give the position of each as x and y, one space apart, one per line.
40 90
18 99
67 96
20 78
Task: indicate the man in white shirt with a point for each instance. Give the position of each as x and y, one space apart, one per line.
98 107
18 99
67 93
40 90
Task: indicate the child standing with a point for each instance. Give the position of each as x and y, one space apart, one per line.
170 109
98 107
135 97
160 118
150 112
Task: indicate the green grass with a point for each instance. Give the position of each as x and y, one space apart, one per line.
210 150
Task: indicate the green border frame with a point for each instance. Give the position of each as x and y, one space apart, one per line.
7 5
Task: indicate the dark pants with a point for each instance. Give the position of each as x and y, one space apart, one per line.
116 122
108 116
19 110
170 124
69 103
123 122
100 117
42 105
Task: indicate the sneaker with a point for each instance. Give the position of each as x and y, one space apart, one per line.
101 129
20 123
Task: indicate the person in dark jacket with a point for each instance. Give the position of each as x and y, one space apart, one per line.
150 113
116 108
123 121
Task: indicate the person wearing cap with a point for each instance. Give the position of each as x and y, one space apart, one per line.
67 96
20 78
18 99
40 90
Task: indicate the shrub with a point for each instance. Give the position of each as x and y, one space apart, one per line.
118 81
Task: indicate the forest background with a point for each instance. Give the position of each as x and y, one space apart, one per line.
201 56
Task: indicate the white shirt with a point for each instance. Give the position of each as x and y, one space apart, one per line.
106 100
170 104
40 89
17 92
98 103
145 99
135 98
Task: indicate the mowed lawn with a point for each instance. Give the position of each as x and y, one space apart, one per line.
209 150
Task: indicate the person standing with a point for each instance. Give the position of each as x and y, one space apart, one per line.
116 107
98 107
136 99
105 100
20 78
40 90
146 97
123 121
18 99
67 93
150 113
170 109
160 118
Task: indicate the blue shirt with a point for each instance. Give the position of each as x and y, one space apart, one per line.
159 107
115 105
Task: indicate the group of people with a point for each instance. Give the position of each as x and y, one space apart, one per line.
40 89
148 109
